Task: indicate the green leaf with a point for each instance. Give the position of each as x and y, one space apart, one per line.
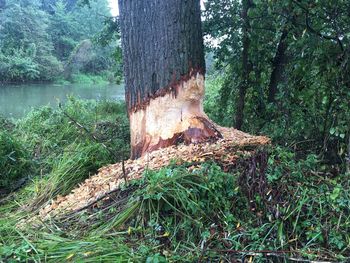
335 194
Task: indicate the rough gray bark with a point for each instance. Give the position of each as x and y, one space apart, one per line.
164 66
240 101
162 45
278 65
348 157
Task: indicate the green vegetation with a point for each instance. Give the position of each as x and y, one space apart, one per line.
179 215
283 70
44 41
15 161
48 143
87 79
287 61
297 208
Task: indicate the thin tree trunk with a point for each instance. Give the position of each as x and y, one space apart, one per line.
348 157
240 101
164 73
278 65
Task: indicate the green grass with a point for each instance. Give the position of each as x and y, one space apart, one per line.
15 160
183 216
83 78
48 147
77 163
48 143
171 215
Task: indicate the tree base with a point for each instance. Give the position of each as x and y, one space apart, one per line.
200 130
173 118
227 151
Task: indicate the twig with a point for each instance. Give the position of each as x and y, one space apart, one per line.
97 200
124 172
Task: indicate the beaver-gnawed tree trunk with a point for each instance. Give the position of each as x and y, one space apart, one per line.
164 73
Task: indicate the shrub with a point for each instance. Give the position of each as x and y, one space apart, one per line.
15 161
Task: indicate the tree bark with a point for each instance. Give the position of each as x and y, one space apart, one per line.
278 64
240 101
164 73
348 157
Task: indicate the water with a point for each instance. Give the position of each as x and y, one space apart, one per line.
17 100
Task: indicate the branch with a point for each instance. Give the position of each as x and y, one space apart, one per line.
312 30
309 27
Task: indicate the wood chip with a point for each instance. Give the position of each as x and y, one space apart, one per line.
111 177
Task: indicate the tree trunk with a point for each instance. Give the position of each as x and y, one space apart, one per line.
348 157
278 64
240 101
164 73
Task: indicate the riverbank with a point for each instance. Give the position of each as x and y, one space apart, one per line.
33 144
106 77
183 212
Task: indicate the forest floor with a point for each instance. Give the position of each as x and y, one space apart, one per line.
225 152
239 199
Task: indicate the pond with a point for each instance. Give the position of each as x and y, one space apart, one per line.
17 100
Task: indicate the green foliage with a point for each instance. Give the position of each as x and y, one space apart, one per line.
309 109
195 214
77 163
88 79
213 86
63 30
180 214
316 204
37 39
15 161
57 155
18 66
187 203
25 45
49 130
64 153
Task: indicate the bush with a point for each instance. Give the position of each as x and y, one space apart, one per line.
48 131
77 163
15 161
49 141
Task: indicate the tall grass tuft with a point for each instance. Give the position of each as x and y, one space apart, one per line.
15 161
77 163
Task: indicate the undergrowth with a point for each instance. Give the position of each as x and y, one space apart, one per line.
191 212
63 146
15 161
181 213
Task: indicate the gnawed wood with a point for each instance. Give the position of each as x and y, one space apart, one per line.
172 119
225 151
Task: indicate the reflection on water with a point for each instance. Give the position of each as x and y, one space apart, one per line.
17 100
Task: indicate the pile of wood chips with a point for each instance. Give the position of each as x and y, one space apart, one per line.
109 178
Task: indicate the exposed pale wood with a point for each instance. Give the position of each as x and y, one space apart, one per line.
170 119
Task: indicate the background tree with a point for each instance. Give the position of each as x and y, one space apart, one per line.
246 67
299 66
26 47
164 73
38 38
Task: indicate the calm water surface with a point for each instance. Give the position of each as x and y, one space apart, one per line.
17 100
